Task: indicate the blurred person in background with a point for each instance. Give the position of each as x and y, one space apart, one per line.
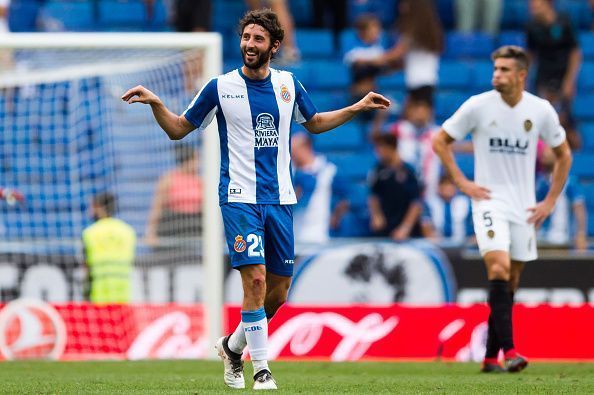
369 46
553 45
394 202
4 5
109 250
419 46
568 221
290 52
330 14
190 15
478 15
322 196
446 215
177 204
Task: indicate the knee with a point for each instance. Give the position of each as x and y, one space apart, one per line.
256 285
499 271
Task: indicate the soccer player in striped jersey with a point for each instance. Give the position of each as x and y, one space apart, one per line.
254 106
506 124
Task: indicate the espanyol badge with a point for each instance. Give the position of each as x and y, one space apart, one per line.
240 244
527 125
285 94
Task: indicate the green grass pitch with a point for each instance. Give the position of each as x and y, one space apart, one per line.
205 377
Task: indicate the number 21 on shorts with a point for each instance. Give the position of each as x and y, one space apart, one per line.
256 247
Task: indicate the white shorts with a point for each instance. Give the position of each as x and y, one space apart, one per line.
495 232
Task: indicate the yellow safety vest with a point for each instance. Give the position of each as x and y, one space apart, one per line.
110 245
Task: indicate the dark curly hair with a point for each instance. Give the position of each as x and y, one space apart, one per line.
265 18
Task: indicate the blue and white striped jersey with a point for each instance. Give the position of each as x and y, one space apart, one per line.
254 121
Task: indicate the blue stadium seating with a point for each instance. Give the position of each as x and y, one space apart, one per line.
583 165
512 37
348 39
466 164
583 107
353 166
586 40
446 103
515 14
122 15
384 10
315 43
348 137
481 76
454 75
329 75
586 78
391 81
465 46
587 133
76 16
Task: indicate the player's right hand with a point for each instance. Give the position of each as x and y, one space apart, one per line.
139 94
474 191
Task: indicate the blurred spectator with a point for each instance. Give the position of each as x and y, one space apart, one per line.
4 5
568 219
418 48
177 205
109 247
189 15
330 14
369 46
322 195
289 51
395 195
481 15
447 215
552 43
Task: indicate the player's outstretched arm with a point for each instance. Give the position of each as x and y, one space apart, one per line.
324 121
442 145
176 127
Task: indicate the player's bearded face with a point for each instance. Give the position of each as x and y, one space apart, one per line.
254 57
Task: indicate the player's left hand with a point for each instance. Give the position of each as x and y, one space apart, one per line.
373 101
540 212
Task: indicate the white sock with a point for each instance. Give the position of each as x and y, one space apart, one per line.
237 340
255 326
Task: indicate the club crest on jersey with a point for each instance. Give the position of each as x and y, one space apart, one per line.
527 125
491 233
285 94
266 133
240 244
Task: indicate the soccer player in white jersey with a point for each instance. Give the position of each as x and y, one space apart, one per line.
505 124
254 106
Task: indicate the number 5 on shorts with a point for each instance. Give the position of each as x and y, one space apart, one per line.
487 218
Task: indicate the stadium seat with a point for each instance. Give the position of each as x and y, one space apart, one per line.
384 10
353 166
315 43
302 12
122 15
482 73
326 101
329 75
466 164
22 16
515 14
302 72
225 15
512 37
353 224
474 45
454 75
582 166
347 137
587 133
358 197
578 11
589 194
73 16
583 107
586 78
446 103
391 81
586 40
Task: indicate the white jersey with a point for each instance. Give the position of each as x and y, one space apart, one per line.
505 140
254 120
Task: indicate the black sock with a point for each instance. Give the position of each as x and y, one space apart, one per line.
492 342
500 301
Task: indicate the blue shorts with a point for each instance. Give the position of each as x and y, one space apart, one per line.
260 234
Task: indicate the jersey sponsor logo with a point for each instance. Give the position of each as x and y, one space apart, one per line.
289 261
527 125
285 94
235 191
266 133
230 96
508 145
240 244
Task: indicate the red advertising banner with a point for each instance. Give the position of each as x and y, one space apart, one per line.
35 329
451 332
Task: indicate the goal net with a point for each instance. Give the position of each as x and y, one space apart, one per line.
66 137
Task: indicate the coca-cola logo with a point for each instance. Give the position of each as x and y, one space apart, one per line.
303 332
31 329
168 337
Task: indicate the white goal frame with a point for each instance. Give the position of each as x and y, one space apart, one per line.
211 44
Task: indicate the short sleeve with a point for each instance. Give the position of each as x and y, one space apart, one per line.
551 131
304 108
203 108
462 122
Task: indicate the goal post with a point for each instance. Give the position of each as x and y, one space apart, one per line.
56 91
